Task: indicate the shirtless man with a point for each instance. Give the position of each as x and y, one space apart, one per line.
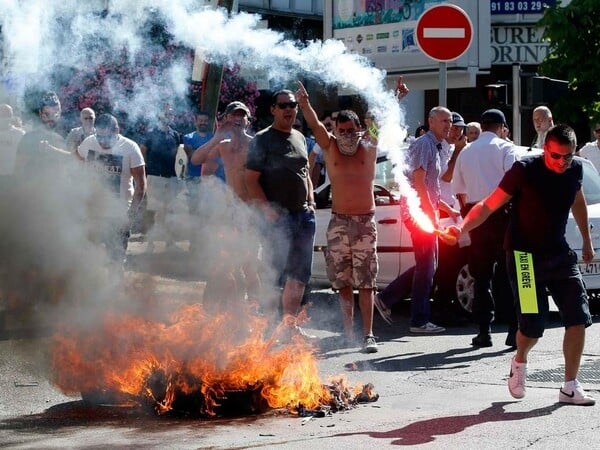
351 236
231 142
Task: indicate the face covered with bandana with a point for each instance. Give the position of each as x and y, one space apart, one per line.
347 137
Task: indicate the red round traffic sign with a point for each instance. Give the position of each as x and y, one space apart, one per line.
444 32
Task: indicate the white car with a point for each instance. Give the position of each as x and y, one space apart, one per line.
394 245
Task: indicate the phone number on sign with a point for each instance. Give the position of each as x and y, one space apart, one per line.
520 7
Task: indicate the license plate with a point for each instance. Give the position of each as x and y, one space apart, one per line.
590 269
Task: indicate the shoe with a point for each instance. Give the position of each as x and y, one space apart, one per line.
427 328
572 392
511 340
384 311
482 340
370 345
516 379
299 331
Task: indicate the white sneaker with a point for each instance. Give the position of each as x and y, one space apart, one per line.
384 311
516 379
370 344
572 392
427 328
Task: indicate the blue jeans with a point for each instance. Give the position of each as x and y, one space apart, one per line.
419 278
292 241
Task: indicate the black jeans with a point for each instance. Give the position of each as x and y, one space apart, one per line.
487 263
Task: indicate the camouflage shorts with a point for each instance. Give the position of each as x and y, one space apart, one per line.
351 254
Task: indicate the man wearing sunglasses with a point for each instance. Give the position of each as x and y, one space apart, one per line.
543 189
478 170
351 235
278 183
591 150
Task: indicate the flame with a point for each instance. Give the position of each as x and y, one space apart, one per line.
146 360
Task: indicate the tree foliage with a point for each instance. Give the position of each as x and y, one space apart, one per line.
573 32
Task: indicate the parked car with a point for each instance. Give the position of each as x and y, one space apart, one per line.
394 245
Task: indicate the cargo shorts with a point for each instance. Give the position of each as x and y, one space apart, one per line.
351 254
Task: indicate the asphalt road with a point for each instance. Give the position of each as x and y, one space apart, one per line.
435 392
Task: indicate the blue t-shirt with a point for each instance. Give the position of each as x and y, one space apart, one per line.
194 140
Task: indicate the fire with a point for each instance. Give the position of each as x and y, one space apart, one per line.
204 359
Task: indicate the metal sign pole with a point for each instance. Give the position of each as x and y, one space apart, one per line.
516 103
443 84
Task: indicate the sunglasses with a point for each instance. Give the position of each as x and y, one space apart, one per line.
597 130
567 157
349 131
284 105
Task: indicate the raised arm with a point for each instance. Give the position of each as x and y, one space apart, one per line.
321 134
210 149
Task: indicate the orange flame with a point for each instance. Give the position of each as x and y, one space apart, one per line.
189 354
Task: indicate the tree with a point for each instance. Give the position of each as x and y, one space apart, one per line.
572 32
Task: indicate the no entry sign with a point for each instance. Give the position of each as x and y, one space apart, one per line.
444 32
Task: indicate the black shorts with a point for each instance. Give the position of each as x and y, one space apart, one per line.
559 275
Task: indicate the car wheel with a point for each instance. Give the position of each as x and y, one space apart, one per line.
465 289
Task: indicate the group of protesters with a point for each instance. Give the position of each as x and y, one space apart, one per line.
270 172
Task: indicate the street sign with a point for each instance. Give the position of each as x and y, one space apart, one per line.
444 32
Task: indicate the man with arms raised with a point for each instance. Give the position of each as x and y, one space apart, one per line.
351 235
543 189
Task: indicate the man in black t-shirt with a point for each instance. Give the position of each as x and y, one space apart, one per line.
278 183
543 189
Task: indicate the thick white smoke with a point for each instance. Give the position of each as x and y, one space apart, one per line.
40 36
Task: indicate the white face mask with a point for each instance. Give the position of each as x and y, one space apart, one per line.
348 143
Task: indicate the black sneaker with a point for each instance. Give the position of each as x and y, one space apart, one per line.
482 340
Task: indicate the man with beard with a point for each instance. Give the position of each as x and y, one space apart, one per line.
351 235
43 145
120 164
191 142
278 183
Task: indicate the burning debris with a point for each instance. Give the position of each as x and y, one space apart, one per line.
196 364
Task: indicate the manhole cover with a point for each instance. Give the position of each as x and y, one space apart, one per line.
589 372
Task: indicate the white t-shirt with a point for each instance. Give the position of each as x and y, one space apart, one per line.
480 166
9 142
117 161
591 151
445 187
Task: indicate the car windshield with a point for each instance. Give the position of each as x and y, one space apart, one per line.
591 183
